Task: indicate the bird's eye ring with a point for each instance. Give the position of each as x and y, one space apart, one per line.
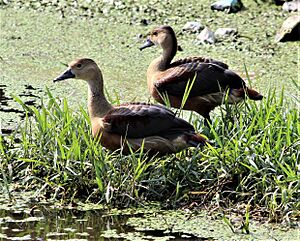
78 66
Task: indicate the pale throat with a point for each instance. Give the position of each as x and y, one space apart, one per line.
162 62
98 105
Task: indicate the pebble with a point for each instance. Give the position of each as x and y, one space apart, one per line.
229 6
291 6
289 30
206 36
193 27
225 32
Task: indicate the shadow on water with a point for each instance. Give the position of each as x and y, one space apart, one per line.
10 111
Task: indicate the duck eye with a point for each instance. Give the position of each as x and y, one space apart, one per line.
154 33
78 66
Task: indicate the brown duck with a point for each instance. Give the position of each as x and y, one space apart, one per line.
212 78
154 127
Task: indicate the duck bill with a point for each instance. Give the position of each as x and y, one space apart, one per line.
68 74
147 44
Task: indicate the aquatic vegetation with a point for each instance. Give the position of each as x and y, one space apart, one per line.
180 224
254 160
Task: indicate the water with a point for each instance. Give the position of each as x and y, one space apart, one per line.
23 216
61 224
11 112
26 216
41 223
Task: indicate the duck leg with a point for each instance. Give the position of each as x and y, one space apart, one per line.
207 120
204 109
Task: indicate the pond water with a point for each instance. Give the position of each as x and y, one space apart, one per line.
43 222
62 224
77 225
11 113
23 217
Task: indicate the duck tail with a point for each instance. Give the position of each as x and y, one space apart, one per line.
253 94
197 140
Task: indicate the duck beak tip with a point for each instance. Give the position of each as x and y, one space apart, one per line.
68 74
147 44
56 80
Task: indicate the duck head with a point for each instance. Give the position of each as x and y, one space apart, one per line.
163 36
85 69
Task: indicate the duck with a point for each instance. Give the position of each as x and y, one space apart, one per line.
130 126
212 80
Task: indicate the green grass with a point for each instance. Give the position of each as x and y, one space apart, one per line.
254 159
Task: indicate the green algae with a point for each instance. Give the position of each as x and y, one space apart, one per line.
24 220
35 43
206 226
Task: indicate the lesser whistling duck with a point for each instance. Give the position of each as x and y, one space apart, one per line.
153 126
212 77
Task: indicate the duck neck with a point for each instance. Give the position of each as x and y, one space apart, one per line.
163 61
98 106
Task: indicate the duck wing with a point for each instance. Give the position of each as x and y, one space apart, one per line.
209 78
139 120
197 60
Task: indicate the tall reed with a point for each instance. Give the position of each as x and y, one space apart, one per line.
254 158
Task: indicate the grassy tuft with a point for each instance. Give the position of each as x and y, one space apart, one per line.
254 159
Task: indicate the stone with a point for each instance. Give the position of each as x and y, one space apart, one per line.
206 36
225 32
229 6
193 27
290 29
291 6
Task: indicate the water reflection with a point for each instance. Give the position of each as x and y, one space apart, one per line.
66 224
75 225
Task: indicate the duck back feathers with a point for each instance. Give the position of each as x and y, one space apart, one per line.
197 60
137 120
208 78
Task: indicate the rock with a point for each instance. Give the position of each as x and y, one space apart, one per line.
229 6
291 6
193 27
290 29
207 36
225 32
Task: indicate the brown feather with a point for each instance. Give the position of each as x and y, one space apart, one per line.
135 125
200 60
253 94
212 78
137 120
